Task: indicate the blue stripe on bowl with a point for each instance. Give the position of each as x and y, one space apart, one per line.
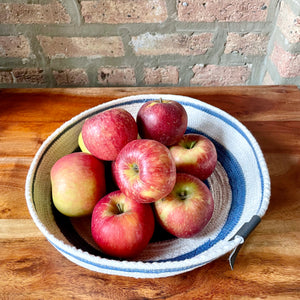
126 270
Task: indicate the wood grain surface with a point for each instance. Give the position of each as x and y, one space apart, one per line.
268 265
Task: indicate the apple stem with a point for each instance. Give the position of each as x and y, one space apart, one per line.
160 100
183 195
135 168
191 145
120 208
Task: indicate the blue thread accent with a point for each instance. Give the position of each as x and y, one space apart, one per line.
109 267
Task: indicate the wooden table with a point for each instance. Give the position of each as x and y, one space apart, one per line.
268 265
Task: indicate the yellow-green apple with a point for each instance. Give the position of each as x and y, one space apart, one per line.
78 182
195 154
120 226
106 133
187 209
81 144
162 120
145 170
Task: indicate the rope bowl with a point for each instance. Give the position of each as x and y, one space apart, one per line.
240 186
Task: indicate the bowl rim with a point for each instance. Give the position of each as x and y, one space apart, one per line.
145 268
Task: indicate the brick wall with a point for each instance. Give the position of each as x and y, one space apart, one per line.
283 61
51 43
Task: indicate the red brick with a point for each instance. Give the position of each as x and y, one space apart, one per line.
14 46
76 77
112 76
288 64
6 77
62 47
289 23
29 75
223 11
248 44
25 75
126 11
17 13
158 44
163 75
215 75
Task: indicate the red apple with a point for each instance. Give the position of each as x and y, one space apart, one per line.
145 170
120 226
187 209
162 120
195 154
106 133
78 182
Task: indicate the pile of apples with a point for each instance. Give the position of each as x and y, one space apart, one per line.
158 170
